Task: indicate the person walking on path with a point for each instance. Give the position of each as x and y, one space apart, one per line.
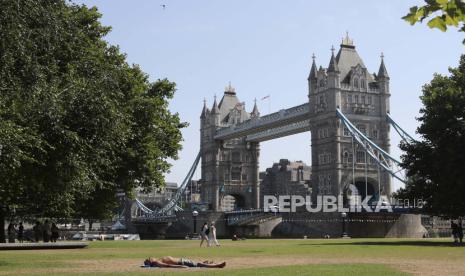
11 233
460 231
204 234
37 229
47 231
55 232
21 232
212 236
455 232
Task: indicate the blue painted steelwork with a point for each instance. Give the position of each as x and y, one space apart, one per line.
172 204
403 134
383 158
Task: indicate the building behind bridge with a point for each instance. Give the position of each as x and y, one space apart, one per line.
286 178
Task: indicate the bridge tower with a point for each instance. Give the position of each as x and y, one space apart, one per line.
230 177
339 166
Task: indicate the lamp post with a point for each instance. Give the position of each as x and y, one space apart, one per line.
344 233
194 215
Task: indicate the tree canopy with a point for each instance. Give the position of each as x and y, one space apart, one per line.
435 165
77 122
444 13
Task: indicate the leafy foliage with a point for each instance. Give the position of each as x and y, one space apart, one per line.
77 123
435 165
446 13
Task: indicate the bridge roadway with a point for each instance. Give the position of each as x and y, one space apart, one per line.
240 217
275 125
251 223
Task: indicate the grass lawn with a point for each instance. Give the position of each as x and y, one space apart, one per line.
250 257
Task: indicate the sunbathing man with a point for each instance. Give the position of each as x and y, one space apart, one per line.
168 261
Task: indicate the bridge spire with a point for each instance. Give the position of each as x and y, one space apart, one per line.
382 72
204 110
313 70
215 109
332 63
230 89
255 113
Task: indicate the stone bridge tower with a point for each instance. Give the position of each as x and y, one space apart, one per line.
338 164
229 168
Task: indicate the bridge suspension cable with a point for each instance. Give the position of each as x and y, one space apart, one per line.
172 204
402 133
384 159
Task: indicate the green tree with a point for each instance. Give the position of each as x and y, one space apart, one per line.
444 13
77 122
435 165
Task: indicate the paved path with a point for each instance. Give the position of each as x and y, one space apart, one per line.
34 245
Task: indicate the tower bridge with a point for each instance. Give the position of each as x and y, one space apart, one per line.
230 136
347 116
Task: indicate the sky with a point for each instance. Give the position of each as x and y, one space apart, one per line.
264 47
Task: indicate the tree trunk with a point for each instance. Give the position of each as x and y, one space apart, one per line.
2 226
90 224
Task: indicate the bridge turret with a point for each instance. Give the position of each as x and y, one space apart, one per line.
383 77
333 72
255 113
312 77
215 114
205 110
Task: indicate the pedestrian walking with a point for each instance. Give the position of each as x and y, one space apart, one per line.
11 232
46 231
21 232
460 231
455 232
55 232
204 234
37 229
212 236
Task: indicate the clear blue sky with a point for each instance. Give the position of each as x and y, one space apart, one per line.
264 47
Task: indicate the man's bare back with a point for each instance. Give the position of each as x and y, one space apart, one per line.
168 261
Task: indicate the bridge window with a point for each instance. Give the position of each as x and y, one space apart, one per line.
375 133
362 129
345 158
244 177
236 174
356 82
369 100
361 156
349 98
363 99
324 158
227 176
362 83
356 98
346 132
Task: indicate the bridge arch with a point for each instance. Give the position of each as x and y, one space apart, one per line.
233 201
363 187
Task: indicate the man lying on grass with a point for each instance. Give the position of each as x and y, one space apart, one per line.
168 261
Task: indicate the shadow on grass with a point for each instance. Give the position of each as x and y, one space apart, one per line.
390 243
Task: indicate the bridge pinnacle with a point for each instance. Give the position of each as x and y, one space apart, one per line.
230 89
382 72
333 63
